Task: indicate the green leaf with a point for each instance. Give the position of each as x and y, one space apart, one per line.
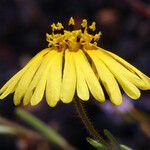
112 139
40 126
7 130
115 145
96 144
124 147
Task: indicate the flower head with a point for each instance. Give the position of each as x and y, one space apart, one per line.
74 64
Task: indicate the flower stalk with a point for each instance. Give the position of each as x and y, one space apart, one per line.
87 122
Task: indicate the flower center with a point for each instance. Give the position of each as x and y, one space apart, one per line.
71 39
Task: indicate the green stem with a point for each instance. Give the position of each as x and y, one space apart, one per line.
87 122
112 139
7 130
48 132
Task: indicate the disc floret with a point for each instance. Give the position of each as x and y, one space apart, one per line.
71 39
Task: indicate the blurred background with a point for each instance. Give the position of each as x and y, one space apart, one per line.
125 27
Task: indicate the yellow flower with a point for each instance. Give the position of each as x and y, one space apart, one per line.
74 64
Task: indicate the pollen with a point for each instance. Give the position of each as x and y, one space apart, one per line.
72 40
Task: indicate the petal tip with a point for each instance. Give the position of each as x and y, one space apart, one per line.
117 100
51 104
34 102
66 101
136 96
2 97
16 103
102 100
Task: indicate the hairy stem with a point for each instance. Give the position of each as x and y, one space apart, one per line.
87 122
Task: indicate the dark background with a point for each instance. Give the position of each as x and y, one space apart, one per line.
125 31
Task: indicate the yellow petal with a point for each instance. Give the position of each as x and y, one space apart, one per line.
130 89
54 80
107 79
10 86
69 78
91 79
36 78
25 81
41 85
82 88
126 73
144 78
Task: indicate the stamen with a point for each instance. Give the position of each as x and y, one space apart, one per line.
72 39
71 24
48 37
53 26
92 26
92 41
60 28
71 21
84 25
97 36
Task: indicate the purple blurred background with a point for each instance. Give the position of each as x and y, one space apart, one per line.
125 31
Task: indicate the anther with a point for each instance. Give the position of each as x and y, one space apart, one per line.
83 25
60 28
49 37
97 36
71 24
53 26
57 29
71 21
92 26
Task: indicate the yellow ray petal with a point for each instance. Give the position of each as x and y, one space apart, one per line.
41 85
33 84
25 81
54 80
69 78
130 89
107 79
37 77
9 87
90 77
40 88
17 76
126 73
82 88
145 78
